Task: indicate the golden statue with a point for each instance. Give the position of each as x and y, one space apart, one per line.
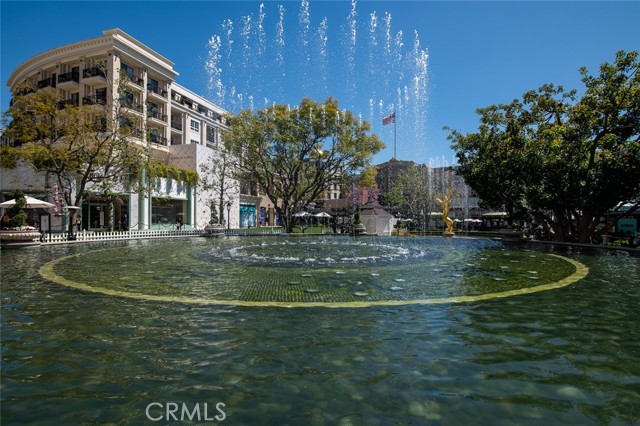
445 201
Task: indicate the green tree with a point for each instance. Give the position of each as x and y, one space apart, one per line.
410 191
563 159
367 178
296 154
17 215
88 148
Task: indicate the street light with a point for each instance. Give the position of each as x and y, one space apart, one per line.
72 227
228 215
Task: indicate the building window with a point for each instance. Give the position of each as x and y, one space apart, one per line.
166 212
127 70
194 141
211 134
152 84
195 126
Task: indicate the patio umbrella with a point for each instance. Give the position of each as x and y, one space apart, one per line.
321 215
301 214
29 203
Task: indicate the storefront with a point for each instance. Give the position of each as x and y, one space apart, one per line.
167 212
98 214
247 215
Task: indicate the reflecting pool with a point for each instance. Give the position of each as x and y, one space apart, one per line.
319 331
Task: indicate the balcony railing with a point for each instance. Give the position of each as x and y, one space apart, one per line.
47 82
100 124
132 105
23 92
176 125
94 100
157 139
94 72
67 102
128 131
157 90
135 79
157 115
69 76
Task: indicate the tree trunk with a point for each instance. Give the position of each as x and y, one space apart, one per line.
558 226
108 216
221 200
586 228
285 217
72 221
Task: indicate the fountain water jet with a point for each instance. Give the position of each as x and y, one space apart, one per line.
256 61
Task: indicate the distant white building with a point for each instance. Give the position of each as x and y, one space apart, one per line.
181 128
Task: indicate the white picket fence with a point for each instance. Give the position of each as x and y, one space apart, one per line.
121 235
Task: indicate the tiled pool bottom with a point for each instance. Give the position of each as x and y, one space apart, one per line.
563 356
309 272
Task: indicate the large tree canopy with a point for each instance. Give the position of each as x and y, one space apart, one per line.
564 159
295 154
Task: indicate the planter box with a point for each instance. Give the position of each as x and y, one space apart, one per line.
216 230
512 235
359 229
19 238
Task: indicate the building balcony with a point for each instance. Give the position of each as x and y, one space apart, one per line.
176 125
47 82
157 116
69 79
155 92
94 75
23 92
68 102
94 100
135 81
157 139
130 132
133 106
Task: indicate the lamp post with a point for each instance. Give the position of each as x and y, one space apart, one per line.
228 215
72 228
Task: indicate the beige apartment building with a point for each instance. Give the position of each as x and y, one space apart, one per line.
180 128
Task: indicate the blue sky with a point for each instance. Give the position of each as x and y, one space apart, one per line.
479 53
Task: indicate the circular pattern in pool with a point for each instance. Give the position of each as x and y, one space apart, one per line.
313 271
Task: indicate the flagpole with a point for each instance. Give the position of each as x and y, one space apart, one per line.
391 118
395 123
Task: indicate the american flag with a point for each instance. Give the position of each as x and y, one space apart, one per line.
391 118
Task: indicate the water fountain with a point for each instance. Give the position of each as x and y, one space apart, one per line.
372 68
321 330
393 329
305 272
